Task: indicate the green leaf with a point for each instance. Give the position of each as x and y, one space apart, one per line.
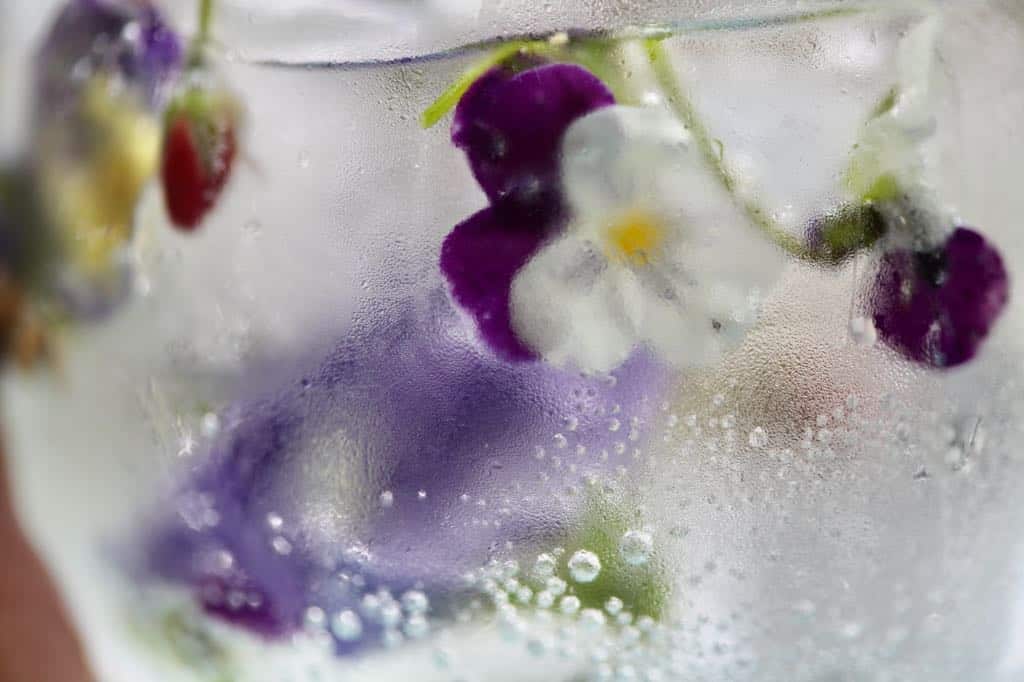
644 589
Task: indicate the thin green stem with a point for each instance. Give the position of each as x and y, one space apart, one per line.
451 96
202 37
712 149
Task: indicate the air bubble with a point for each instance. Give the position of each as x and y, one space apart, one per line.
569 605
613 606
415 601
863 332
584 566
544 566
636 547
347 626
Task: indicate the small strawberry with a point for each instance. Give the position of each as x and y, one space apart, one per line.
199 151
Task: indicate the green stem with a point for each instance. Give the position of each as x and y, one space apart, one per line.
451 96
202 37
712 150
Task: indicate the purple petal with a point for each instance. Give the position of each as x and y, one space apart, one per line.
511 127
937 309
480 257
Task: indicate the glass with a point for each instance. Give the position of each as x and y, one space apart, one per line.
298 452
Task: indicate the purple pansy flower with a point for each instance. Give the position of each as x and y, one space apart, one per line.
937 307
89 37
452 438
510 126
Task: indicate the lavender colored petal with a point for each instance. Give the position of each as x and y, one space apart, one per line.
479 259
511 127
937 309
439 417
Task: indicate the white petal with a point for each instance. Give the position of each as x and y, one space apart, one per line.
621 157
570 306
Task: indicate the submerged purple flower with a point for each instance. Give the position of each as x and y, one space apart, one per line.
98 37
126 40
510 126
287 511
937 308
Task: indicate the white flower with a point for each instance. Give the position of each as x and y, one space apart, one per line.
656 251
893 141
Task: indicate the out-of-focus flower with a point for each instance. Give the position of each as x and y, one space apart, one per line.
936 307
101 76
403 461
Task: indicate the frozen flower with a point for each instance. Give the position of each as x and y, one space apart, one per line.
101 77
937 306
511 125
655 252
297 478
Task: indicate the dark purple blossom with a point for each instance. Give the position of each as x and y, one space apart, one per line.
510 126
430 413
937 307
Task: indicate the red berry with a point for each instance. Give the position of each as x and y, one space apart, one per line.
194 173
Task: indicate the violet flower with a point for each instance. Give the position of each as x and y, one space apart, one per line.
406 412
937 307
129 41
511 125
101 77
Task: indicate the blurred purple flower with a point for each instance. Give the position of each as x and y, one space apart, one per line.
937 307
510 126
452 437
127 40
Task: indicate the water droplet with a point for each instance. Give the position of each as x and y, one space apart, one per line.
314 617
415 601
416 626
544 566
584 566
636 547
390 614
421 495
560 441
210 425
592 619
863 332
304 159
391 638
545 599
556 585
614 424
274 521
728 421
613 606
347 626
758 438
571 423
387 499
569 604
281 545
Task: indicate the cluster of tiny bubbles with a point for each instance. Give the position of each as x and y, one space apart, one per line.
548 620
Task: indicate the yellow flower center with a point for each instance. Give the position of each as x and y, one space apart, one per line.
635 237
